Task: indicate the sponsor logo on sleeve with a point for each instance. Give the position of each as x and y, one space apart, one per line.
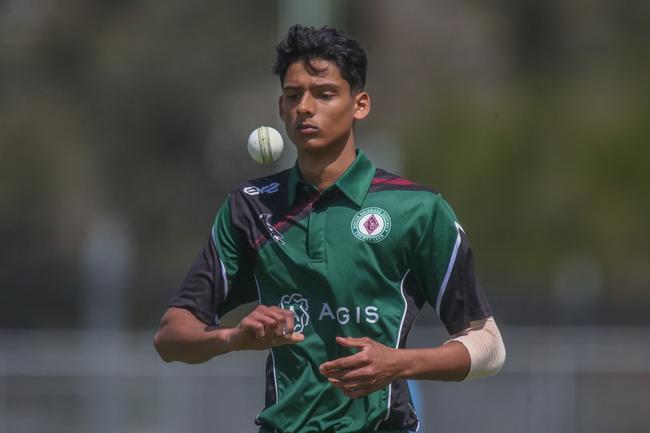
264 189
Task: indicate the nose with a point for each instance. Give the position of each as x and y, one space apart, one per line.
306 105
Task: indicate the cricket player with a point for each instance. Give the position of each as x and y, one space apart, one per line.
341 256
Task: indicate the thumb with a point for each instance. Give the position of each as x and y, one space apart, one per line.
352 342
295 338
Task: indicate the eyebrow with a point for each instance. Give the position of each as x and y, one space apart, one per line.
327 85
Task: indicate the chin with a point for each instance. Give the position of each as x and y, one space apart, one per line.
316 145
312 144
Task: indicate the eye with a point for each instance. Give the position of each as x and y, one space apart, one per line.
327 95
292 96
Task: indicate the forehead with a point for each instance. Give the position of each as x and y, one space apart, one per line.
313 72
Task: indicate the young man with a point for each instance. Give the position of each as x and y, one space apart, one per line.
341 257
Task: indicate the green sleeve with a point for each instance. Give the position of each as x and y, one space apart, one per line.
444 270
435 248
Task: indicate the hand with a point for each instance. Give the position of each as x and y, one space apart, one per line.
367 371
263 328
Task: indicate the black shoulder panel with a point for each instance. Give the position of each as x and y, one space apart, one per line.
384 181
255 203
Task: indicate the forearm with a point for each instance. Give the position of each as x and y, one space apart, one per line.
450 362
186 339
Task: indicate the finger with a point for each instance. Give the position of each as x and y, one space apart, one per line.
271 319
357 391
266 321
349 375
353 342
338 374
290 321
285 323
282 313
282 330
274 325
278 330
293 339
287 317
349 386
271 312
354 361
274 311
249 323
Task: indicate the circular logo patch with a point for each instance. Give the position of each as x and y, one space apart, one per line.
371 224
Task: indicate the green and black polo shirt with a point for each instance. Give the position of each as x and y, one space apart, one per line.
359 259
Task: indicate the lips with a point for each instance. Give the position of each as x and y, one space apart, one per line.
307 128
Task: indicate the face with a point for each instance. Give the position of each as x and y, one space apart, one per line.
317 107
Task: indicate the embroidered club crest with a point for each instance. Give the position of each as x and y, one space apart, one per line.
371 224
300 308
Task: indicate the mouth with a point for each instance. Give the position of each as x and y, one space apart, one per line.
307 128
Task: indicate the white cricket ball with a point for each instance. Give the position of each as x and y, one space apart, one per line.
265 144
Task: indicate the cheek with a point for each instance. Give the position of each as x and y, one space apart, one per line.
344 118
283 112
342 115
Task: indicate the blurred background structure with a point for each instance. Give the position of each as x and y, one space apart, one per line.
123 126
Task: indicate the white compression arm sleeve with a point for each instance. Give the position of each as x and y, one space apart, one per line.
485 346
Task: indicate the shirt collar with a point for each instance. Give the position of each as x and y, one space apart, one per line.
354 182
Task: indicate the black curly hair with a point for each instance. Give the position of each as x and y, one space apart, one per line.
306 43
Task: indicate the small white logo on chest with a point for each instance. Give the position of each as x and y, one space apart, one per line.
273 232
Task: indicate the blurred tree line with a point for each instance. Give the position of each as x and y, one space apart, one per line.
531 118
550 168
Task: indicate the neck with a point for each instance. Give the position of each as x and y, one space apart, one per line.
322 168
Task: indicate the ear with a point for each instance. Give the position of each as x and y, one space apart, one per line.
361 105
280 108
